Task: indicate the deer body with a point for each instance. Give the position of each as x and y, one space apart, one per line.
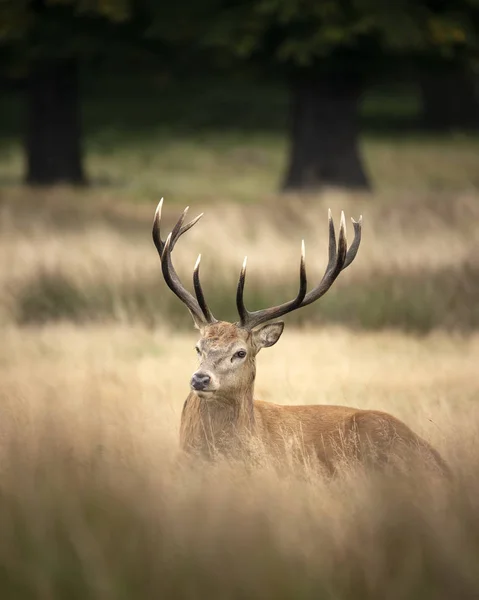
329 433
221 414
226 424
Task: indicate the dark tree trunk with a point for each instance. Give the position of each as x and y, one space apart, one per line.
449 100
53 142
324 135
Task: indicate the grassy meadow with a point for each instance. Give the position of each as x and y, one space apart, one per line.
96 355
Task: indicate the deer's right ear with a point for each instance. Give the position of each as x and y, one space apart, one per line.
268 335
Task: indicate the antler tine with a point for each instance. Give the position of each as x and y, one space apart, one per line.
332 270
248 320
198 309
345 258
339 258
332 242
243 313
177 232
199 292
353 250
159 244
173 282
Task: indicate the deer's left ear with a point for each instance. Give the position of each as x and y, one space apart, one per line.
268 335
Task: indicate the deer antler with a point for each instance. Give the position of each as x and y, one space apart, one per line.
197 307
339 258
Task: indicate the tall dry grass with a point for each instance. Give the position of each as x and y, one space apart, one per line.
97 503
65 258
95 500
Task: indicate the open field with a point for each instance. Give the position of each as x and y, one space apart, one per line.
86 255
131 383
96 354
95 502
94 499
65 257
208 140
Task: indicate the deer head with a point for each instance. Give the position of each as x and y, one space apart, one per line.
227 351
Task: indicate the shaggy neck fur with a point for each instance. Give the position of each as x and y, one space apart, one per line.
220 424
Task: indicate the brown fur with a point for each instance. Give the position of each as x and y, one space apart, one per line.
224 333
226 420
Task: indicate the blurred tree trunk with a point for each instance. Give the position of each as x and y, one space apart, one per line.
53 141
324 135
449 100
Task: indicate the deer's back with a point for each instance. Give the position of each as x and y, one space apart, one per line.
333 433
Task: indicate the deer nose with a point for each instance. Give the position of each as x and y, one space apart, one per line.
200 381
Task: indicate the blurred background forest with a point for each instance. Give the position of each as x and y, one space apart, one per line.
356 105
87 77
263 114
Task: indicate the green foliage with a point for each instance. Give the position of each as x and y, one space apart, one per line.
18 18
45 29
291 33
115 10
302 33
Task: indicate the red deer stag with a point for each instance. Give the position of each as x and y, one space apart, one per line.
220 413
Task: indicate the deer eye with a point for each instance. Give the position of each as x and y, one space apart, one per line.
239 354
198 351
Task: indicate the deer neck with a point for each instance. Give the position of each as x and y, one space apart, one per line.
217 424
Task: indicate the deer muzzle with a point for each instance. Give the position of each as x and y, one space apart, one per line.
200 381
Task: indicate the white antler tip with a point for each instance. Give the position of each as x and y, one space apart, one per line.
158 208
243 268
197 263
343 220
330 214
303 249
